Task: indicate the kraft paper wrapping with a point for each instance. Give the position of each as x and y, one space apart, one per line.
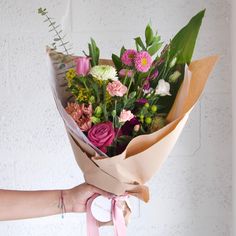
129 171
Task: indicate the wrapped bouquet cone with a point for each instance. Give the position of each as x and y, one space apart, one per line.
144 155
123 116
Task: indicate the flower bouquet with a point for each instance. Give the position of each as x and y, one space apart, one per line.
123 116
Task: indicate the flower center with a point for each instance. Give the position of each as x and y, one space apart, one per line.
131 56
144 61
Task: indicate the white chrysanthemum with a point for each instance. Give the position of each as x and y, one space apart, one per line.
104 72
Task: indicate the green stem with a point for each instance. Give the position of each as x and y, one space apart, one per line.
125 79
113 116
85 85
117 133
130 83
104 101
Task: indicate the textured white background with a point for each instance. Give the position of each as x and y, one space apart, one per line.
191 195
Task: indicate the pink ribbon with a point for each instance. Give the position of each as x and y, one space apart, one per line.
116 213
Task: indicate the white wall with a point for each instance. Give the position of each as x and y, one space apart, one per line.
191 195
233 56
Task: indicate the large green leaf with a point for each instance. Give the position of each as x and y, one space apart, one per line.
184 41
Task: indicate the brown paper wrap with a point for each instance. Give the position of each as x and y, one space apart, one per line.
129 171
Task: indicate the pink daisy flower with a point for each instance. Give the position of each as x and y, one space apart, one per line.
142 61
128 57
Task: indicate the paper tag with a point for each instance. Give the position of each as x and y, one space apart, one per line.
101 209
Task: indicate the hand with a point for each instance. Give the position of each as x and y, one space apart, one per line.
75 199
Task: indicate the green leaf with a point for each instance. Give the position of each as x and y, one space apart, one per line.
139 42
124 139
122 50
94 85
116 121
132 95
185 40
156 38
117 61
94 52
40 10
154 48
148 35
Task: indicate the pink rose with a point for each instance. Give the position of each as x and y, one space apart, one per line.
82 65
116 88
102 135
126 116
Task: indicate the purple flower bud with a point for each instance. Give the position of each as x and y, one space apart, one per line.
142 101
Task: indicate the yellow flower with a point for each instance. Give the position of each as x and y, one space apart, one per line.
83 95
70 74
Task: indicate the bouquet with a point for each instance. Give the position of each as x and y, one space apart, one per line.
123 116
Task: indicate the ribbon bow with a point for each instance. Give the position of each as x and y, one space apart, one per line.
116 213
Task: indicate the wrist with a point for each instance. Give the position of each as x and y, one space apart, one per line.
68 200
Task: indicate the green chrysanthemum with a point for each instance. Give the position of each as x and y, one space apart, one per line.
104 72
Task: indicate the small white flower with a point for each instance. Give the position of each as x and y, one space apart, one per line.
163 88
104 72
147 91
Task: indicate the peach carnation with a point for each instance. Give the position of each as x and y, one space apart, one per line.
116 88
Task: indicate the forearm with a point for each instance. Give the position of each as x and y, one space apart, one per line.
29 204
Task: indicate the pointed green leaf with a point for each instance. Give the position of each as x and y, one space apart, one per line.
122 50
117 62
93 52
139 42
185 39
148 35
154 48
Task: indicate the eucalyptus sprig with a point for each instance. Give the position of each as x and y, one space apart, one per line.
59 37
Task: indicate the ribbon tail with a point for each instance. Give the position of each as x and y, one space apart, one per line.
118 219
92 224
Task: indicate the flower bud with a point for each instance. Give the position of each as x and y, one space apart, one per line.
136 128
98 111
95 120
92 99
113 113
146 105
141 118
153 108
173 62
148 120
174 77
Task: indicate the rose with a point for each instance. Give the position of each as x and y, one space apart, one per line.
116 88
82 65
102 135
